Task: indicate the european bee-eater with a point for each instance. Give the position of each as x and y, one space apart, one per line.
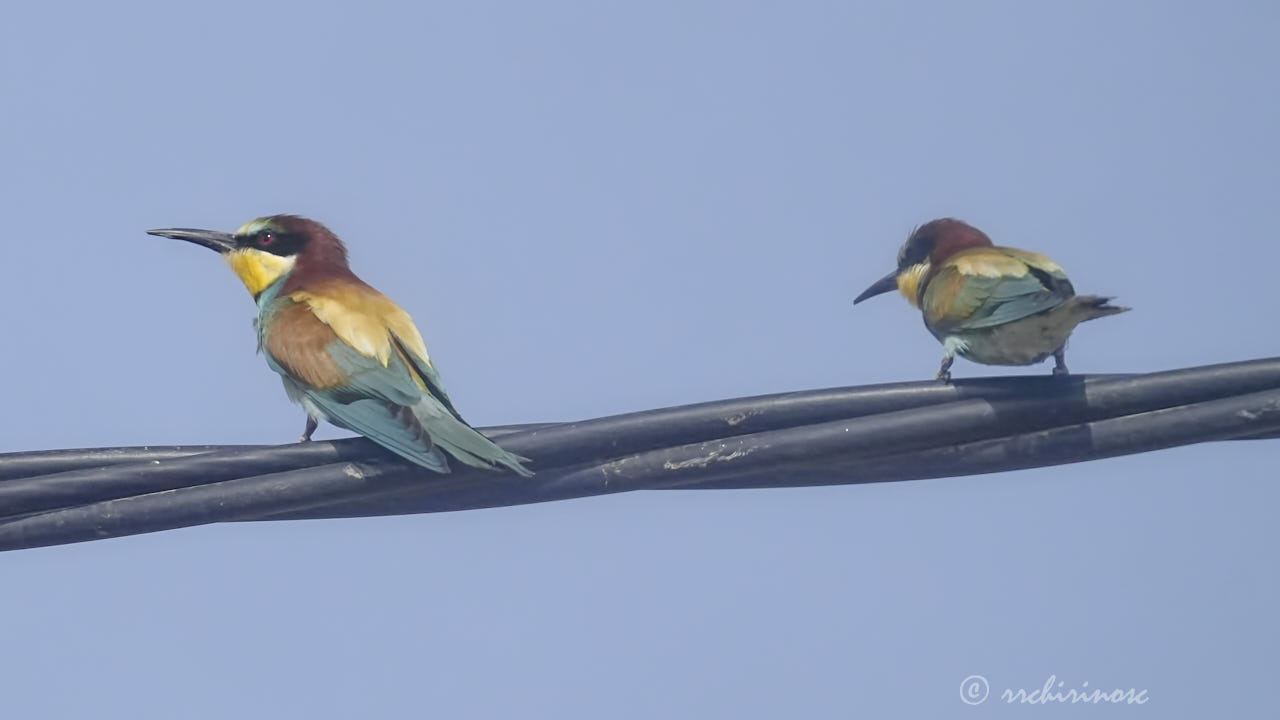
992 305
345 351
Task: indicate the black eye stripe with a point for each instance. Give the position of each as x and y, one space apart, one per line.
916 251
273 241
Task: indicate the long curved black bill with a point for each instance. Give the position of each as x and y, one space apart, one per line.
881 286
212 239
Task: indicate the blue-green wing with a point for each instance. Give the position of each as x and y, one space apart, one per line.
389 406
374 404
987 288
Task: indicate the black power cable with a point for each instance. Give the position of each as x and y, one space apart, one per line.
877 433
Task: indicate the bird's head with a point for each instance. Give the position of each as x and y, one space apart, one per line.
927 247
264 250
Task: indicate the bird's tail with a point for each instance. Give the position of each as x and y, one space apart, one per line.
1092 307
462 441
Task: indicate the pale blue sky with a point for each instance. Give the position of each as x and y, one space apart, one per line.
594 208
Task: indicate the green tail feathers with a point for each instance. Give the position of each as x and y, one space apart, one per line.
418 433
462 441
1092 307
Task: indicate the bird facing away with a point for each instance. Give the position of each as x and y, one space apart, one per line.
992 305
345 351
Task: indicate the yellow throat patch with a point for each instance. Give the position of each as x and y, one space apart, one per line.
258 269
909 282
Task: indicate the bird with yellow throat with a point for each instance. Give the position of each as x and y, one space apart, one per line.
345 352
989 304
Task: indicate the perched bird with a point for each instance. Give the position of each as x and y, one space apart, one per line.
345 352
992 305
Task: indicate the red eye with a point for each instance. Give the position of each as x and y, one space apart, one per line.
266 238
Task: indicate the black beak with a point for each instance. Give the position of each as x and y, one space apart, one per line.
212 239
881 286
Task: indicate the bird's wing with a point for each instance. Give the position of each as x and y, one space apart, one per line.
368 321
406 340
353 390
379 353
989 286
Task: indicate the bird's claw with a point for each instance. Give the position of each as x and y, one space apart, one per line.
1060 362
309 429
944 371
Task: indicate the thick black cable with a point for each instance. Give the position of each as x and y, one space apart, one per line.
246 498
849 435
